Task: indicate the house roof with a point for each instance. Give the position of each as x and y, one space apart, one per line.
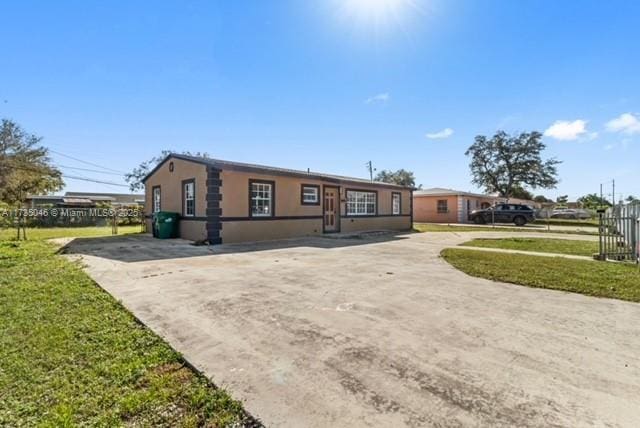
45 197
78 201
440 191
122 198
111 197
270 170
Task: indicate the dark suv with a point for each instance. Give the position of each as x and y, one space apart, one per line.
504 213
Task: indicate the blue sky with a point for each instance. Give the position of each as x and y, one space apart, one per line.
328 84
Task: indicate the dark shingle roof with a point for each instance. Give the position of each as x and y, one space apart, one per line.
271 170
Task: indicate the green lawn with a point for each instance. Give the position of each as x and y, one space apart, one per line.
63 232
567 222
434 227
71 355
541 245
602 279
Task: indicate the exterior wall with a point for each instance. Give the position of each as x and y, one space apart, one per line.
256 230
471 203
425 209
291 218
170 183
235 195
222 205
354 224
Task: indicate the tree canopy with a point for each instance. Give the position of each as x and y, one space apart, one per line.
401 177
25 166
541 199
521 193
505 163
134 178
632 199
593 201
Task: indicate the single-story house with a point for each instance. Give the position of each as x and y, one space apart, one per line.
114 199
439 205
222 201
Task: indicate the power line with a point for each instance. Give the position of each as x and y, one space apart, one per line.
90 170
85 162
109 183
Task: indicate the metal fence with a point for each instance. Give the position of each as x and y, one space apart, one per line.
61 217
620 233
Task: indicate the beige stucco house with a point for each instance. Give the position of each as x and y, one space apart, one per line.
222 201
438 205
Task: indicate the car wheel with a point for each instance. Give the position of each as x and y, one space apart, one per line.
478 220
520 221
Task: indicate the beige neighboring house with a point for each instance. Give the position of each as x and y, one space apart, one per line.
439 205
224 202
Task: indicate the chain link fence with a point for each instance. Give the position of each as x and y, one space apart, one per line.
51 217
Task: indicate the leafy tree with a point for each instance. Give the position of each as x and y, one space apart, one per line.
541 199
632 199
504 163
563 200
25 167
521 193
593 201
134 178
401 177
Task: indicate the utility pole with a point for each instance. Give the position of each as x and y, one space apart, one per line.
613 196
601 197
371 169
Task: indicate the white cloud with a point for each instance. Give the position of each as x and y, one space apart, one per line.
627 123
566 130
609 147
445 133
379 98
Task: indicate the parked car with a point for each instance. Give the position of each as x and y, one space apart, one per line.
504 213
574 214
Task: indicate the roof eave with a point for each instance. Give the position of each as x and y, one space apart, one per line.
249 168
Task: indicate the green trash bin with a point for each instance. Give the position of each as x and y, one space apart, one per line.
166 224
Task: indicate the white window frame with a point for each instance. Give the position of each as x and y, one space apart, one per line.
189 192
261 193
396 203
361 203
155 201
315 193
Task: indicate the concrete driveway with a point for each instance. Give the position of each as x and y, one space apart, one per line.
378 332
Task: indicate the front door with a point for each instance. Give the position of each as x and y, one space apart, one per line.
331 209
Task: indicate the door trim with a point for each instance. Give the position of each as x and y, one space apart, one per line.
338 206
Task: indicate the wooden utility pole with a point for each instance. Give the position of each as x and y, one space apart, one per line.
370 168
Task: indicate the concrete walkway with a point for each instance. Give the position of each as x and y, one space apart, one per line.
381 332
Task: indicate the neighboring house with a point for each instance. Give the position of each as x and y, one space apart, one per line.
221 201
85 199
115 199
438 205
